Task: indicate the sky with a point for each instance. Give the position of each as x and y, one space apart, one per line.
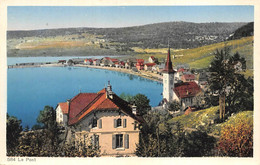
49 17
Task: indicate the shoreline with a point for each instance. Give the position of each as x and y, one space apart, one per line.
141 73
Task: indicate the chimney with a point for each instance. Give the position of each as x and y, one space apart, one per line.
109 90
134 110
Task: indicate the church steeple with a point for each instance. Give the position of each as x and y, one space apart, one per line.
168 78
168 63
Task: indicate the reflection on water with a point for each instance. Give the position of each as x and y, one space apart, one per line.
30 89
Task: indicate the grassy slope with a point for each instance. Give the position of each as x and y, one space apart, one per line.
206 117
202 56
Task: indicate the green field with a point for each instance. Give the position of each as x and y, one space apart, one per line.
207 119
201 57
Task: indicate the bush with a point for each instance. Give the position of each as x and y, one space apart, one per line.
236 140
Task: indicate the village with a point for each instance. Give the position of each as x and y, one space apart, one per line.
145 87
113 125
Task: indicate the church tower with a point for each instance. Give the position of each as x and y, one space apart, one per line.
168 79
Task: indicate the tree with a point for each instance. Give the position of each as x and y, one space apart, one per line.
142 104
159 138
229 84
236 140
221 75
126 97
47 118
70 62
13 132
174 106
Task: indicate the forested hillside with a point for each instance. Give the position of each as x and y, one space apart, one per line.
180 34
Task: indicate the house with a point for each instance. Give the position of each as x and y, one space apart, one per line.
122 64
62 113
149 66
106 120
106 61
62 61
78 60
140 66
88 61
128 65
238 66
96 62
180 72
186 93
189 110
188 77
152 59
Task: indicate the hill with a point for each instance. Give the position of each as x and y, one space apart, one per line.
244 31
180 34
208 119
201 57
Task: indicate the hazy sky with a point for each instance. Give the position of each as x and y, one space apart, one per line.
46 17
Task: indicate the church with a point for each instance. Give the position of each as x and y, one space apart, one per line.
186 93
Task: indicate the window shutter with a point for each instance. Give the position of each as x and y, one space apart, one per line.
126 138
93 140
113 141
97 140
100 123
124 124
114 123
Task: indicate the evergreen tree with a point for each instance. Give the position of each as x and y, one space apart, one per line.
13 132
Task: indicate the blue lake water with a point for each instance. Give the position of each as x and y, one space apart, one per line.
30 89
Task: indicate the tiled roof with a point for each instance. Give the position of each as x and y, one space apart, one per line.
188 76
150 64
186 89
181 70
64 107
114 60
140 60
168 65
85 103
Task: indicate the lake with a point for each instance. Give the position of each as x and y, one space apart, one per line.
30 89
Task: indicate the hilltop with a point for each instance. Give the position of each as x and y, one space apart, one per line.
244 31
110 41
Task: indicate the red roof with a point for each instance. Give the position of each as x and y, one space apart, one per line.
186 89
181 70
90 60
85 103
150 64
107 58
168 65
188 77
114 60
152 57
64 107
189 110
140 60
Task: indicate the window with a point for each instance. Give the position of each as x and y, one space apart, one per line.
117 123
119 141
95 140
94 123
